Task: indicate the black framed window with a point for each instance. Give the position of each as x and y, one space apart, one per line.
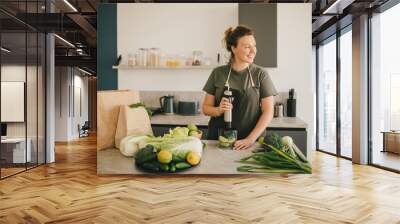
384 89
22 66
334 94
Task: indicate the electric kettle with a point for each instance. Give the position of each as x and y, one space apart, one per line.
167 104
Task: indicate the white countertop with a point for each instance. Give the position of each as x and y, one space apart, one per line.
202 120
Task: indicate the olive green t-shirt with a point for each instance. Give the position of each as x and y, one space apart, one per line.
239 80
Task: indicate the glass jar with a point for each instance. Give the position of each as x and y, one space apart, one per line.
197 57
162 59
170 62
154 57
143 52
189 61
181 60
131 60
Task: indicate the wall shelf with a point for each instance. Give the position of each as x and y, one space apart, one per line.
127 67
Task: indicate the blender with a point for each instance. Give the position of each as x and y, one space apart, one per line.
227 135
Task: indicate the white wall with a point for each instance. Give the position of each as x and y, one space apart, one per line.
34 126
175 29
61 104
295 60
17 73
66 121
181 28
80 83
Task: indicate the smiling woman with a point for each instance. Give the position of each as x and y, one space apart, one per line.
242 44
251 109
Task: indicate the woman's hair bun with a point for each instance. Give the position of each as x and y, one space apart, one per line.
228 32
232 35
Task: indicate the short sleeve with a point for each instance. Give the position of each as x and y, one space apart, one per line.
267 87
210 87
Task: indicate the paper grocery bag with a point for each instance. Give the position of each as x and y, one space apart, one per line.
132 121
108 103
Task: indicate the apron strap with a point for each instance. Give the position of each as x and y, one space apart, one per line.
227 80
251 78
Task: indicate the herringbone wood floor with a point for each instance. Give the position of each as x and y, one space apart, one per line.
69 191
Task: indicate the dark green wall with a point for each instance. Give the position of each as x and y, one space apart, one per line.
107 78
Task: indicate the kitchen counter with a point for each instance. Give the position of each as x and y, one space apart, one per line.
202 120
283 126
214 161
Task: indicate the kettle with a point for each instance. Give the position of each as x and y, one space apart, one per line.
167 104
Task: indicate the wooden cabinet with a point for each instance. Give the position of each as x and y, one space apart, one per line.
391 142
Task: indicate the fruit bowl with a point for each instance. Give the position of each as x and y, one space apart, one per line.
151 159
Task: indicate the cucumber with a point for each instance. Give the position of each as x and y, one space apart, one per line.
177 159
172 167
164 167
182 165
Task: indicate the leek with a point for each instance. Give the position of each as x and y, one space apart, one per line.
285 159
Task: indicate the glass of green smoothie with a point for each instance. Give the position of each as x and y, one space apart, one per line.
226 138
